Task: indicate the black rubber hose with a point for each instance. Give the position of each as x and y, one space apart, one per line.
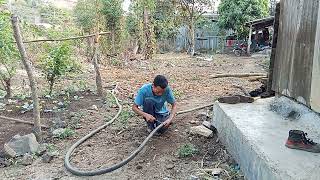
78 172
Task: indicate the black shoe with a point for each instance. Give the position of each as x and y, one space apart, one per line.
298 140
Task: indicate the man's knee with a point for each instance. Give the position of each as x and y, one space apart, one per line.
149 106
148 102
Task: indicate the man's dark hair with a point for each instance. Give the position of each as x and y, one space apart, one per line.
161 81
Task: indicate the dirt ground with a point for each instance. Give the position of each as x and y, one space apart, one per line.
192 86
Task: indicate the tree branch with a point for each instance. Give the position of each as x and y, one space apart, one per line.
20 121
186 6
65 39
8 71
4 86
200 15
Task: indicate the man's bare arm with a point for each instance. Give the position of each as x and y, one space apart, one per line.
147 116
173 110
172 114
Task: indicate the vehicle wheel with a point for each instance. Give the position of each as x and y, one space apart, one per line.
237 52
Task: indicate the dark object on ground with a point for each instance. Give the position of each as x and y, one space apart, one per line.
258 92
245 99
229 99
267 94
294 115
208 125
236 99
297 140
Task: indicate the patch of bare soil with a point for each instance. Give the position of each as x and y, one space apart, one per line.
159 160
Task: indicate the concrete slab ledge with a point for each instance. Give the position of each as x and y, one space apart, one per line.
255 136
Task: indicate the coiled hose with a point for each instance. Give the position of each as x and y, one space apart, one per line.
95 172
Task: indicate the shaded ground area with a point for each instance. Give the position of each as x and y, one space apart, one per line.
190 80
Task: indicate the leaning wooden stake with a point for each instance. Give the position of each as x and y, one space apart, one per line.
96 66
96 55
29 69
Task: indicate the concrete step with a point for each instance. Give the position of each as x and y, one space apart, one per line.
255 136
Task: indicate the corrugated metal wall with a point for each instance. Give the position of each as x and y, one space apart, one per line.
295 49
315 84
212 42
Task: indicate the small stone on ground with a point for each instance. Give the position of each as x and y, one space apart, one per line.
170 166
216 171
201 130
47 158
94 107
27 160
20 145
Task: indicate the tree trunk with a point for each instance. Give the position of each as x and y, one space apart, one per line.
148 51
7 88
192 37
90 48
29 69
51 80
113 32
249 41
96 67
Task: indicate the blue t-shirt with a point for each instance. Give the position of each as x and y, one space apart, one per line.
160 101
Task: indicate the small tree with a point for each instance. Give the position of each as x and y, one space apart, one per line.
29 68
133 26
166 21
144 10
192 10
9 55
85 15
112 12
56 64
233 14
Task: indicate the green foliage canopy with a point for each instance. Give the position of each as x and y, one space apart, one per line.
166 22
9 55
112 11
233 14
85 15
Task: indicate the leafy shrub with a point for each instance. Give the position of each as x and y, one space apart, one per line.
56 64
187 150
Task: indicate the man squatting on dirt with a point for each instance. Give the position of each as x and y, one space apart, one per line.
153 99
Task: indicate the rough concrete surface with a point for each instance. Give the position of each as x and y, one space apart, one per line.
256 136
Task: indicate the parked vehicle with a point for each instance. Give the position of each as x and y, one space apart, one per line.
240 49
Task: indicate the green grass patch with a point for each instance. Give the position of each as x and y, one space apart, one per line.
187 150
110 100
66 133
124 117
